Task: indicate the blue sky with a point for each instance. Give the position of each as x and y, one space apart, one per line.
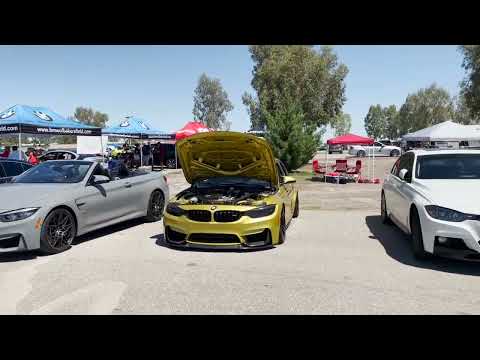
157 82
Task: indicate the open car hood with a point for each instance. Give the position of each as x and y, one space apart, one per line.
225 153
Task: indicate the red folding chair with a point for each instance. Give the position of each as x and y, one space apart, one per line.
317 169
355 170
341 166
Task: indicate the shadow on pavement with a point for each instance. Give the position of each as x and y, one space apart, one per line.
30 255
20 256
160 241
108 231
397 246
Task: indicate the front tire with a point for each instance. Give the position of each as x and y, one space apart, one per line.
384 212
283 228
361 153
156 204
296 211
394 153
416 236
58 231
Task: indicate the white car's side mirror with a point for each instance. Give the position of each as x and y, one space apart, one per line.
402 174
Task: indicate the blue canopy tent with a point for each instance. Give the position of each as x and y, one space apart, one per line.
23 119
136 128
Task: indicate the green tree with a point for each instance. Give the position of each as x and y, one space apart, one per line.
211 104
282 72
254 112
375 122
391 122
343 124
90 117
293 140
463 114
425 108
470 86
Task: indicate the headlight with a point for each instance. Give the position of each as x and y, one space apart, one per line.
175 210
441 213
261 211
19 214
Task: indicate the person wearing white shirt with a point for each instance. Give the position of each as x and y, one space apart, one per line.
17 154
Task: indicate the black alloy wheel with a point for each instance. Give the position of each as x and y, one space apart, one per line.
58 231
155 206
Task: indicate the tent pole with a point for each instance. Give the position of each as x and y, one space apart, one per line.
326 162
373 167
141 151
20 146
175 146
101 146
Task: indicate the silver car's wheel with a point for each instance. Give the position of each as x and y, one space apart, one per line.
155 206
58 231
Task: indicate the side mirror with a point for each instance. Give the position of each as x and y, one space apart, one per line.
404 175
99 179
289 180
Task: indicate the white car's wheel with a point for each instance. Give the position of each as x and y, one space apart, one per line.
384 213
416 236
361 153
394 152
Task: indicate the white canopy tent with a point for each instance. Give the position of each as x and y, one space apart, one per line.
446 131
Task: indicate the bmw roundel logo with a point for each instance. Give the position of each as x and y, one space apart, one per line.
125 123
7 114
213 208
42 115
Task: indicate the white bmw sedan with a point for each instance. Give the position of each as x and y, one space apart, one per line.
434 196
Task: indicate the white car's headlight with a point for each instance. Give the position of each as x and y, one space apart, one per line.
441 213
19 214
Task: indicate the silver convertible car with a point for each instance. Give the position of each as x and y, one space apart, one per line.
46 207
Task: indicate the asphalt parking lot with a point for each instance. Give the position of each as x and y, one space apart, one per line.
338 259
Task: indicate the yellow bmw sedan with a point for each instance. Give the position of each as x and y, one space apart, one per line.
240 196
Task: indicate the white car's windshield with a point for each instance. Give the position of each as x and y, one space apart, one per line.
65 172
448 166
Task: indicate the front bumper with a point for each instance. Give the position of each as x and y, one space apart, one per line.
245 233
22 235
467 234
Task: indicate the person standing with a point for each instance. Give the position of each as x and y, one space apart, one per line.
6 152
32 158
146 152
17 154
136 157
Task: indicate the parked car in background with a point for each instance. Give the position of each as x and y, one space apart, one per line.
69 155
433 195
10 168
377 148
49 205
335 149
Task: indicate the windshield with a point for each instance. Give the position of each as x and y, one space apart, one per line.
64 172
448 166
238 182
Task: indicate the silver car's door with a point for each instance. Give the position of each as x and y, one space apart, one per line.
104 202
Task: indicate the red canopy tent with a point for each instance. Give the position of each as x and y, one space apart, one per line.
350 139
191 128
